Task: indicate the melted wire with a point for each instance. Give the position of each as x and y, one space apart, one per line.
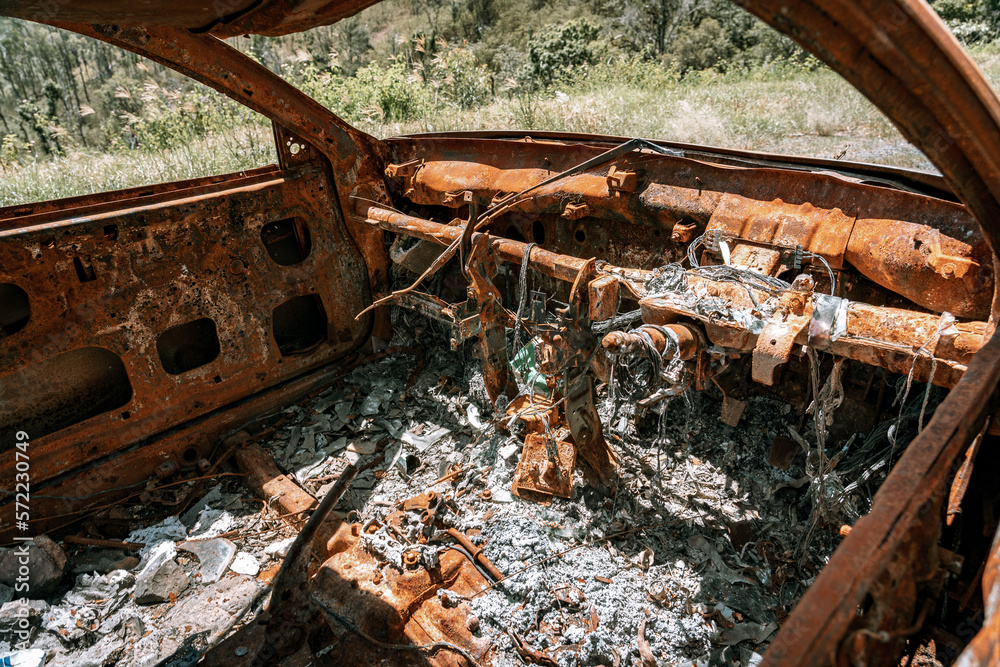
833 279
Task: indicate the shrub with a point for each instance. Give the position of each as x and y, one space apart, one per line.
632 72
11 150
170 117
557 49
388 90
699 48
461 80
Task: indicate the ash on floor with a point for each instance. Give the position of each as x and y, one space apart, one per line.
719 567
703 544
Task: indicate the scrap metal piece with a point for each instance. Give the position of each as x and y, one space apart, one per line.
588 433
458 199
684 340
964 475
732 410
546 466
774 346
276 488
476 553
375 610
684 232
547 461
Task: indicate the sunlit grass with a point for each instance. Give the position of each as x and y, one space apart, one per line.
83 173
813 113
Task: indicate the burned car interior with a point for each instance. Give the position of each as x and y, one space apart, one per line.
153 337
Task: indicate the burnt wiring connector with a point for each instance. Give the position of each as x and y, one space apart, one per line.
649 362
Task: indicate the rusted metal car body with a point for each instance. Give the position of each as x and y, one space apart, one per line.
141 328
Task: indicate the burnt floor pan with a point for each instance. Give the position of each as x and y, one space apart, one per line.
152 340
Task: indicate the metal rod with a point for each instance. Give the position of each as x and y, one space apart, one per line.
554 265
305 536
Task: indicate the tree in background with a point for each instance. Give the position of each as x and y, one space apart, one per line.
354 45
555 50
990 12
470 18
648 25
972 21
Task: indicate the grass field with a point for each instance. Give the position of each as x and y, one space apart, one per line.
86 173
787 110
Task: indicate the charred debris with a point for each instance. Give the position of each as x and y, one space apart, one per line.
491 399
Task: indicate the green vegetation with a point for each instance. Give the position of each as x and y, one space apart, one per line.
79 116
80 173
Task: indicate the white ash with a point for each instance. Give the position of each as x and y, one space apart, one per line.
384 546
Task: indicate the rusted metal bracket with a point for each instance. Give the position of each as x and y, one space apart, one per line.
459 198
493 319
575 211
602 298
588 434
404 169
622 180
464 322
774 346
546 466
775 342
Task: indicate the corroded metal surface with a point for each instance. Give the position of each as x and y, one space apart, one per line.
157 262
361 599
927 250
222 18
